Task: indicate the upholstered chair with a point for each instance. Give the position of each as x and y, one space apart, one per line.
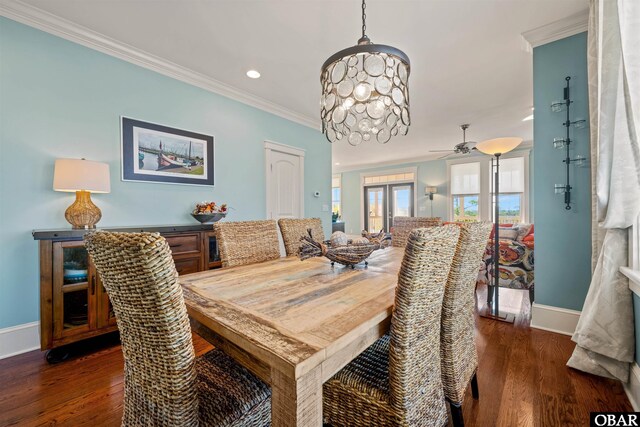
457 345
247 242
165 384
293 229
403 225
397 381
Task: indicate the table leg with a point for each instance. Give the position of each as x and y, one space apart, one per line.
296 403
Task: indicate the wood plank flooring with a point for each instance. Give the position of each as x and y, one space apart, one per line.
522 377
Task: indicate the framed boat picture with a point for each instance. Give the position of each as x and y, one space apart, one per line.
158 153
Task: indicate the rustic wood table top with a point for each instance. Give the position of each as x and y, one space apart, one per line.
294 323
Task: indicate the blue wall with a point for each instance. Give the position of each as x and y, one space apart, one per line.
563 238
59 99
430 173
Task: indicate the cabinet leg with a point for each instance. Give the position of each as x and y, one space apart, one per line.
56 355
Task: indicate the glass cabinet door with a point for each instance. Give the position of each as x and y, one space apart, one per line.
74 288
211 252
106 316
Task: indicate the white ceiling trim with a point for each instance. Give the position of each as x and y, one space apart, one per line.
45 21
557 30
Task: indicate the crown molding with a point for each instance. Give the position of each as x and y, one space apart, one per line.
566 27
52 24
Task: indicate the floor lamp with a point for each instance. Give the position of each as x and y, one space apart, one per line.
497 147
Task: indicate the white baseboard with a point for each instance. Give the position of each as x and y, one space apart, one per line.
554 319
19 339
632 388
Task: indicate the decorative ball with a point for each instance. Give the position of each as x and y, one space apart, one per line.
360 241
338 238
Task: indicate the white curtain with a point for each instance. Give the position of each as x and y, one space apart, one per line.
605 335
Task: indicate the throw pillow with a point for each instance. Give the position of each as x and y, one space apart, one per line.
508 234
522 230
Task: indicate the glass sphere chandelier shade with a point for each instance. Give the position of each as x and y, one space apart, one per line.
365 93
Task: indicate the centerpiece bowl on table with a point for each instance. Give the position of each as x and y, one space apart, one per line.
342 250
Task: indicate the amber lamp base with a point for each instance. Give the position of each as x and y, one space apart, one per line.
83 213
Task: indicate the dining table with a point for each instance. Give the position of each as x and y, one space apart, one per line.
294 323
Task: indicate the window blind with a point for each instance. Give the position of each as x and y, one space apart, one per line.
511 175
465 178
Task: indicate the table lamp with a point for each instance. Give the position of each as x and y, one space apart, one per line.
82 177
497 147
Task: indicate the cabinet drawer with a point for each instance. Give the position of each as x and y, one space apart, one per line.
186 243
187 266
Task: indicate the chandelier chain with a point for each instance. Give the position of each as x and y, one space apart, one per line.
364 18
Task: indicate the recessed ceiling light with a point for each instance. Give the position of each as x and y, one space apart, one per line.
253 74
337 163
526 119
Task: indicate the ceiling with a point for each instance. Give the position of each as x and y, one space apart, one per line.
469 61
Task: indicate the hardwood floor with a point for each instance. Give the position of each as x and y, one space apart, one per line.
522 377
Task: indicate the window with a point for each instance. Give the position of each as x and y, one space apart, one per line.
471 186
465 191
396 177
336 191
511 190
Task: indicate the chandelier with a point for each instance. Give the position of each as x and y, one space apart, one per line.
365 92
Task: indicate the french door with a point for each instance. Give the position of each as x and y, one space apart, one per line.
384 202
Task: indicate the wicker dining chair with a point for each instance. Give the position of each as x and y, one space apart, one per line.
247 242
397 381
457 345
293 229
165 384
403 225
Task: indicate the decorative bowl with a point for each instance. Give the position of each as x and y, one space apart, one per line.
74 276
209 218
347 253
72 273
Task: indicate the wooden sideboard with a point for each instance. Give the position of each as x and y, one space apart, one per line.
73 303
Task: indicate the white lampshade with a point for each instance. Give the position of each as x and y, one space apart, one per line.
498 145
431 190
81 175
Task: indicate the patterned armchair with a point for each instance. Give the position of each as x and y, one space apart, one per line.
516 264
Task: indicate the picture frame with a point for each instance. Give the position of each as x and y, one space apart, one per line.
151 152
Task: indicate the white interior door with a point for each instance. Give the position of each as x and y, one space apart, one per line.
285 183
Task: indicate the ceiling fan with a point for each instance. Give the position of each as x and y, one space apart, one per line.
465 147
